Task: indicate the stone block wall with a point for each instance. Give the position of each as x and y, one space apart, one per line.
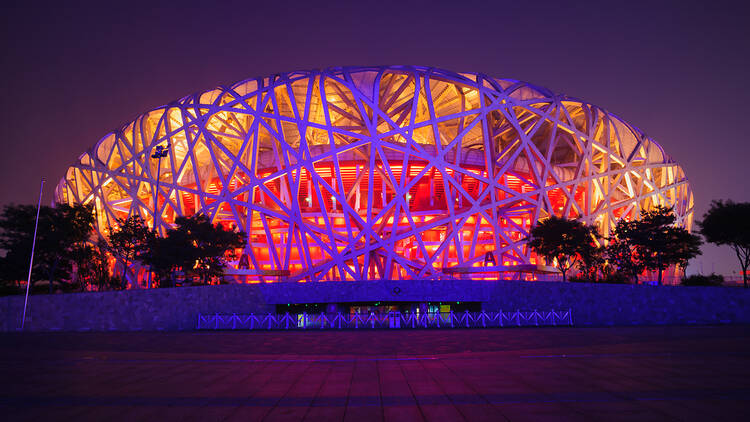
618 304
131 310
177 309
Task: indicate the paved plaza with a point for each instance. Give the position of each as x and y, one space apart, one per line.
697 373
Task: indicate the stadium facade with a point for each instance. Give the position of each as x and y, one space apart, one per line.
392 172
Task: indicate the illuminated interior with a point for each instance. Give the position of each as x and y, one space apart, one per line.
378 173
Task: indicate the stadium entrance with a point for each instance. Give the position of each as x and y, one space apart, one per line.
379 308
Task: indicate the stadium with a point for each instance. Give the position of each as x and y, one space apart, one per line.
377 173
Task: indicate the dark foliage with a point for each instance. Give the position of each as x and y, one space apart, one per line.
62 231
195 247
613 278
703 280
565 241
591 259
728 223
129 241
92 267
652 243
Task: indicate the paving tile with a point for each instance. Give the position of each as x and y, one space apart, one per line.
522 412
325 413
249 414
609 374
402 413
678 410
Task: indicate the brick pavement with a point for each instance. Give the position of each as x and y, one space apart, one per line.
518 374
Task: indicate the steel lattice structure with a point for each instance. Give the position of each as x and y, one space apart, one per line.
392 172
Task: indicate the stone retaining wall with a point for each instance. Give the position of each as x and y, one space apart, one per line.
177 309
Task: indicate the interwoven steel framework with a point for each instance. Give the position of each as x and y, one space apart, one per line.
378 172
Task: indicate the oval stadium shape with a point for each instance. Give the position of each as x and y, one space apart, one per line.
392 172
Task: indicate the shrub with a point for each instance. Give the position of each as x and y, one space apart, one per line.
7 289
703 280
615 278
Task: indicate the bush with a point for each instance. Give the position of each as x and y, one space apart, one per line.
703 280
10 289
616 278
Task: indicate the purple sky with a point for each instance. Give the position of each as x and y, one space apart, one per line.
678 72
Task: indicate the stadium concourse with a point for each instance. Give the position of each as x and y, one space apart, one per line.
688 373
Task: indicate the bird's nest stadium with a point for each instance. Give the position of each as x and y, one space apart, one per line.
392 172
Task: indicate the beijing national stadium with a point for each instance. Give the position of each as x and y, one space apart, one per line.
378 173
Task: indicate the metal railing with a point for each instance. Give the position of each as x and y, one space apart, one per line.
391 320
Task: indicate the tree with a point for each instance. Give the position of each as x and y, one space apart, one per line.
620 254
655 243
129 241
169 254
194 246
92 267
62 229
212 243
592 258
561 240
728 223
682 246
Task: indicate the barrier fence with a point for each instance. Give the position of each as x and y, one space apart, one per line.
390 320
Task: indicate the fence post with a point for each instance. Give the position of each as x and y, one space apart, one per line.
216 322
570 316
304 320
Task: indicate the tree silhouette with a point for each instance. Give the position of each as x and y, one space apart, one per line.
655 243
728 223
62 229
194 246
92 266
561 240
621 254
129 241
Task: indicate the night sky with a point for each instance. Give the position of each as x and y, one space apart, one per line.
676 71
